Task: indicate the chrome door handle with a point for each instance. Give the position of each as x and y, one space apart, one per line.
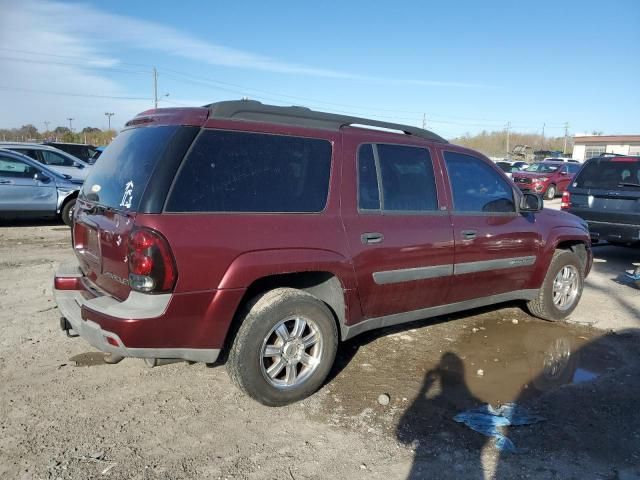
469 234
371 238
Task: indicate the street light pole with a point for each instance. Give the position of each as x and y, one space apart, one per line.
70 124
109 115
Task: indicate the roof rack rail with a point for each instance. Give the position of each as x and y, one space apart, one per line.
258 112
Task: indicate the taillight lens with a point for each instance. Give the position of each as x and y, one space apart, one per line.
566 201
151 265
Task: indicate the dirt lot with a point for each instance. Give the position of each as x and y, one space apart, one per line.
65 414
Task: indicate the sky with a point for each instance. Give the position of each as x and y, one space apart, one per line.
459 66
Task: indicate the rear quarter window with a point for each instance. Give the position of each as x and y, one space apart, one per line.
228 171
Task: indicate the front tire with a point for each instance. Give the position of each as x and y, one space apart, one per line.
284 348
561 289
67 212
550 194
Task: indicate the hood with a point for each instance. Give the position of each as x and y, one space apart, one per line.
531 174
564 219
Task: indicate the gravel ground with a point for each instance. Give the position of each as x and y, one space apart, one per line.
65 414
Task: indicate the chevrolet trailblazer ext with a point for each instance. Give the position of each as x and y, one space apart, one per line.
273 233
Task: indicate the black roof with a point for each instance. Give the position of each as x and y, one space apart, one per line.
305 117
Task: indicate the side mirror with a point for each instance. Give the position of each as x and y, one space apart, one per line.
531 202
41 177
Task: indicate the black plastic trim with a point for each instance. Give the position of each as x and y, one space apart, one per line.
165 170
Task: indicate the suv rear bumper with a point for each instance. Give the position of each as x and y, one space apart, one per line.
142 325
615 232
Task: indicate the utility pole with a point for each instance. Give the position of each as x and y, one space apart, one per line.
542 143
70 124
508 133
46 125
424 121
566 134
109 115
155 87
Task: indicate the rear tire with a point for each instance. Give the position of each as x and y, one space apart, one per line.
550 194
284 348
561 289
67 212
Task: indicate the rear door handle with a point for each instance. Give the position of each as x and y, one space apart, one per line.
6 182
371 238
469 234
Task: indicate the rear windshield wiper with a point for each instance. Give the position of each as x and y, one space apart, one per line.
625 184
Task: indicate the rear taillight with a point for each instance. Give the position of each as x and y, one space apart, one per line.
565 203
151 265
78 236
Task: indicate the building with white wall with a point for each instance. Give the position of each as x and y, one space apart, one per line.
585 147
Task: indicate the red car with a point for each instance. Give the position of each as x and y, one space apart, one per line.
546 178
273 233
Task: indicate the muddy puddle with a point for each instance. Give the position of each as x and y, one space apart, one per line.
432 372
88 359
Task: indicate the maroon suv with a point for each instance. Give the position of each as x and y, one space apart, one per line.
546 178
273 233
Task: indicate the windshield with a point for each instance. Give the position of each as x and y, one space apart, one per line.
119 179
542 168
610 174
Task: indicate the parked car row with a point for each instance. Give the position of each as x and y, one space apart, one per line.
31 189
38 180
57 160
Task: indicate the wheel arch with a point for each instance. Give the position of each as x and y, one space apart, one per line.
67 199
563 238
324 285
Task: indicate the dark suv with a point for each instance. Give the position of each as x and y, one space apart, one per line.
273 233
606 193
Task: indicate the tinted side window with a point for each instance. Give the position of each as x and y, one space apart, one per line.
476 186
55 159
230 171
573 168
408 183
368 194
13 168
29 153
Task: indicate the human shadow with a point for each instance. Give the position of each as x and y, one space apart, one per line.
444 390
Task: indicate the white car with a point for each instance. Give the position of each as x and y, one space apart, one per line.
55 159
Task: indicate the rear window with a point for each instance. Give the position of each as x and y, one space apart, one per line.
121 176
610 174
228 171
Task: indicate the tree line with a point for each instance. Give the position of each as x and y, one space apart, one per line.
494 144
30 133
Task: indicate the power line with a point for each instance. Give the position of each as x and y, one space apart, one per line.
69 94
344 108
69 64
46 54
